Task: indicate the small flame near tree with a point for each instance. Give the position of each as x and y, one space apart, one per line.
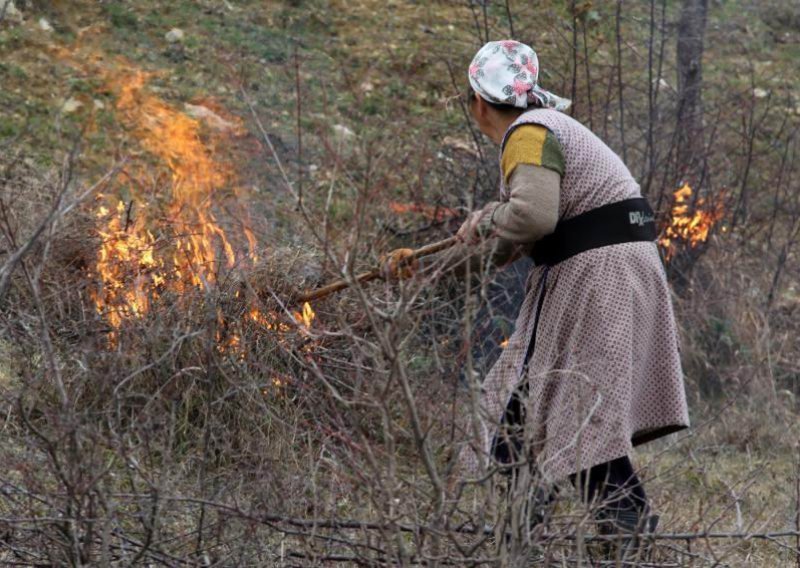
688 225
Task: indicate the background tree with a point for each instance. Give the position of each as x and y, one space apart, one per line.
691 32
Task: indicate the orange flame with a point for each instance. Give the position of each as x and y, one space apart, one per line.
273 322
686 226
152 245
306 317
126 260
132 272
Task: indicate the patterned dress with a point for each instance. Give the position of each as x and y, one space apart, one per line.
604 372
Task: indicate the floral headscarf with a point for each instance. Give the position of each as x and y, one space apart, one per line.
506 71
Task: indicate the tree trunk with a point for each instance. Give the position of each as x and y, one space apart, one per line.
691 31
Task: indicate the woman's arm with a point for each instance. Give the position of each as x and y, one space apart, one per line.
531 211
506 230
532 166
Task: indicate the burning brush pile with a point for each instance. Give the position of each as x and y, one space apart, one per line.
161 242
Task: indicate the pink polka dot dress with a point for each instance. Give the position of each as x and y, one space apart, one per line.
604 374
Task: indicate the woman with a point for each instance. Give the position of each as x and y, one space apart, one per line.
592 368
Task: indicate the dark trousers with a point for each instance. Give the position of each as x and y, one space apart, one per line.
613 486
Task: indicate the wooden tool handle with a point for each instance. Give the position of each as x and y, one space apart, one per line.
375 273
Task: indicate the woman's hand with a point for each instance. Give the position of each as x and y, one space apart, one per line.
468 232
399 264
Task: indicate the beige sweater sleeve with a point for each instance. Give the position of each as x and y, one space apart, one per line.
531 211
510 227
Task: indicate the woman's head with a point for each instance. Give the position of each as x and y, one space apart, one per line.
504 77
491 118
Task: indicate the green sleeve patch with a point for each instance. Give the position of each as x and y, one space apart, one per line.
552 156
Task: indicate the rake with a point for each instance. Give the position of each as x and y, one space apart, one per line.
375 273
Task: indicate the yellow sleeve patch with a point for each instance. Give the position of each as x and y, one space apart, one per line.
531 144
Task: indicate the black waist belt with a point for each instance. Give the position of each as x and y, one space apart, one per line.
626 221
